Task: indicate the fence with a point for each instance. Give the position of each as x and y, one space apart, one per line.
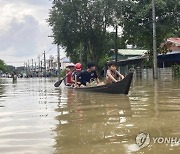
164 73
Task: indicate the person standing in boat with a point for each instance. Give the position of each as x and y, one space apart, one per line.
112 74
78 69
87 76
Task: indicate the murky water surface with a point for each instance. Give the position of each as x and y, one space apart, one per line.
37 118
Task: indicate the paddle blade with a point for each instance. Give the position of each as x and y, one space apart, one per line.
57 84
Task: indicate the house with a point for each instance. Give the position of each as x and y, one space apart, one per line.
172 44
64 62
171 53
124 54
130 58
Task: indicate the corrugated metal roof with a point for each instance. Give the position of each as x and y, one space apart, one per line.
132 52
174 40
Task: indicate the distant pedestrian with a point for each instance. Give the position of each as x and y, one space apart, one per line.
14 76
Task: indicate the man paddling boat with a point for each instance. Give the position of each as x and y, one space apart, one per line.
69 70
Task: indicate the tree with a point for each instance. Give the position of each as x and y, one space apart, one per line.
81 27
2 65
137 21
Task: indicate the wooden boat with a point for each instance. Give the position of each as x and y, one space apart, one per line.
121 87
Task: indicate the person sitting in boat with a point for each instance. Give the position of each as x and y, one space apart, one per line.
112 74
87 76
78 69
69 70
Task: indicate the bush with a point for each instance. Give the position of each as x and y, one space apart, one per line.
62 73
176 70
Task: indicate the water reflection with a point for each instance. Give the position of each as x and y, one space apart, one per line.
87 119
102 123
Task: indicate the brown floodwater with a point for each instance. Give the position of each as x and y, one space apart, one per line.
37 118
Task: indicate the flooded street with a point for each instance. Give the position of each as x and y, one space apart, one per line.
35 118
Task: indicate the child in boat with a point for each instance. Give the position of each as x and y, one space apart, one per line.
69 70
112 74
78 69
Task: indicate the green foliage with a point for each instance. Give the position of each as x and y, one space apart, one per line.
81 27
10 69
62 73
138 21
176 70
2 65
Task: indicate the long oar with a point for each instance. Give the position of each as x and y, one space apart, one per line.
57 84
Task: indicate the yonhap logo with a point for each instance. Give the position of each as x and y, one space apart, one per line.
143 140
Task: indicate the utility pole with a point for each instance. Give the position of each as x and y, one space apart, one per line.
24 67
32 65
28 68
80 55
116 43
39 67
154 41
58 60
35 67
44 64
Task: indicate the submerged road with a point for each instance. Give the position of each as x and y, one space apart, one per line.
35 117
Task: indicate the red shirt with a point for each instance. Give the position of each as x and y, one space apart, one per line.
68 78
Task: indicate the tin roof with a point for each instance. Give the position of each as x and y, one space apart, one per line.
132 52
176 41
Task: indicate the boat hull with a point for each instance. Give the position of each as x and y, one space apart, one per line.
121 87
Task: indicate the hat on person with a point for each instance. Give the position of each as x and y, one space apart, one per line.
70 65
78 67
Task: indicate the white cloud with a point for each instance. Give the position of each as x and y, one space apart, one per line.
24 30
21 35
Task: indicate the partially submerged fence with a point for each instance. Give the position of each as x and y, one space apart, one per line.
164 73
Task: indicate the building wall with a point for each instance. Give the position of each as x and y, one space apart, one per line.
175 48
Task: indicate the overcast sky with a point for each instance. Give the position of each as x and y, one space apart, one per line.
24 31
